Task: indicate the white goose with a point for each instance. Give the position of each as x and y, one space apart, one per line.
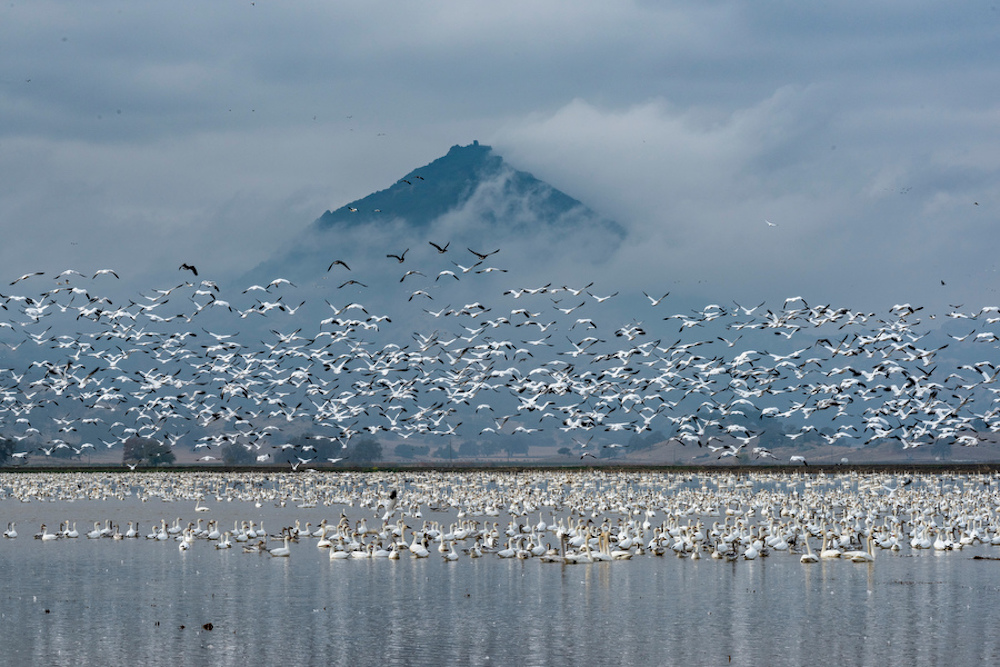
865 556
417 549
282 551
808 556
224 543
44 535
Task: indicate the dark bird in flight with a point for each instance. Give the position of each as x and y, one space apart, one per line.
336 262
351 282
188 267
400 257
441 249
483 256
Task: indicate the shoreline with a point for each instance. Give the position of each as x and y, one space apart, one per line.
391 467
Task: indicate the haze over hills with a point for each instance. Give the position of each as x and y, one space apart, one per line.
468 197
449 183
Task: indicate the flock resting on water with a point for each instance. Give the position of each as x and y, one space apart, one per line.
560 517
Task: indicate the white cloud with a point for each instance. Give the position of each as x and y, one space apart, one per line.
856 214
865 131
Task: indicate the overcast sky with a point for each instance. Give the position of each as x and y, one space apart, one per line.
140 135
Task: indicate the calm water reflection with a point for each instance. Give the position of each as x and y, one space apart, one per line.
75 602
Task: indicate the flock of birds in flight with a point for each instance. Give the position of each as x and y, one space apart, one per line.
170 364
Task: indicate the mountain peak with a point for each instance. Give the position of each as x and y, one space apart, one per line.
448 184
468 195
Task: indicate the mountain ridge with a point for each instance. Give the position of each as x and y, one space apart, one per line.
447 183
470 196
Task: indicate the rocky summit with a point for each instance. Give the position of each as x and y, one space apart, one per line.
469 196
469 178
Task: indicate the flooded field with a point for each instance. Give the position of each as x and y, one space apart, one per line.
642 568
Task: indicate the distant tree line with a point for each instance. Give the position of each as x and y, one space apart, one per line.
6 450
319 450
147 452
